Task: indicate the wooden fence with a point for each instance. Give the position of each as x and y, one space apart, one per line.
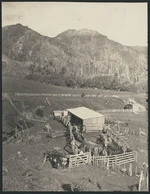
120 141
115 160
101 161
79 159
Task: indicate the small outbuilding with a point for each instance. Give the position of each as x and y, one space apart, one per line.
134 106
128 106
86 118
57 113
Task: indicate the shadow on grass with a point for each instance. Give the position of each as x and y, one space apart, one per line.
66 187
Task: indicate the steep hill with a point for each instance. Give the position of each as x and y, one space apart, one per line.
81 53
140 48
14 69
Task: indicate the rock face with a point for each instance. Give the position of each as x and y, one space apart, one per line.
83 53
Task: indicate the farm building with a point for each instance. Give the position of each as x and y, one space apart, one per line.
57 113
60 113
128 106
134 106
86 118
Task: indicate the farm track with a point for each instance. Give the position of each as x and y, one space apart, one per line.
45 94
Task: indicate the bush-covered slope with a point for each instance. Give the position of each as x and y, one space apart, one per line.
80 54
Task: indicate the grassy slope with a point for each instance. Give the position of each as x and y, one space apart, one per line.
18 85
59 103
47 179
21 85
32 152
26 86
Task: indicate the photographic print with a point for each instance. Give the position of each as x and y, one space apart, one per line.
74 96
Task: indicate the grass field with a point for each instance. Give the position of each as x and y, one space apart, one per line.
25 173
21 85
25 86
57 103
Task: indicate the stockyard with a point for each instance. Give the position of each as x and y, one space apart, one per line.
63 144
74 97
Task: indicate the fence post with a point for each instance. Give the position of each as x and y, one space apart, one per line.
136 169
140 181
89 157
135 155
108 163
92 158
130 169
113 165
70 164
147 181
116 162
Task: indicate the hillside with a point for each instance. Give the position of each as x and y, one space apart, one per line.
12 68
76 53
140 48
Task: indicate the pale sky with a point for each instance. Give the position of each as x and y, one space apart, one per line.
125 23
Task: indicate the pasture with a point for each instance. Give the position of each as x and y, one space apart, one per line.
25 172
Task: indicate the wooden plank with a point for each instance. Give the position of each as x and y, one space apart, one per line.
126 161
125 157
79 160
126 153
79 157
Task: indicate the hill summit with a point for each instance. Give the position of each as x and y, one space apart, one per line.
80 53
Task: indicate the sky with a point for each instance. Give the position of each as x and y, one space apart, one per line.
125 23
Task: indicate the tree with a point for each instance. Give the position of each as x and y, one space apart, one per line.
39 112
70 82
64 70
82 95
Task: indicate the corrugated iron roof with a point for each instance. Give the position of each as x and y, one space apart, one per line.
84 113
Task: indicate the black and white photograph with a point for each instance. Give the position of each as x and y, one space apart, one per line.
75 96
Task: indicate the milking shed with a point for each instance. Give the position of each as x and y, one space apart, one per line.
86 118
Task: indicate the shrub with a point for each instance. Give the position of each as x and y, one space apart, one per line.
70 82
34 77
83 95
39 112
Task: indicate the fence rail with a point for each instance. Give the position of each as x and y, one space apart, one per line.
79 159
117 139
109 161
116 160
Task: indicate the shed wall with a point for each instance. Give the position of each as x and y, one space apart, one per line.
93 124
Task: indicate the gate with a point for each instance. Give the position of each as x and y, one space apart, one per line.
78 159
